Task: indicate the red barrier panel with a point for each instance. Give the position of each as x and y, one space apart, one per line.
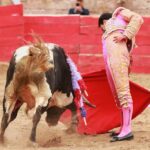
87 64
91 48
78 35
141 63
142 50
11 10
11 30
52 25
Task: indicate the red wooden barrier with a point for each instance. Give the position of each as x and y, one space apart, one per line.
11 10
78 35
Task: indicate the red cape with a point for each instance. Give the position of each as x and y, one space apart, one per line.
106 115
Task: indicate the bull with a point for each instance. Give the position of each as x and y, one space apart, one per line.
39 76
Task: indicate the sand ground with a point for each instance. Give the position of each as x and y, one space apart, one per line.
55 138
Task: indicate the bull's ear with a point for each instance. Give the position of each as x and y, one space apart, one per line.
34 51
30 51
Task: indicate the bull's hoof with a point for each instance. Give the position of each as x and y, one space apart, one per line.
33 144
71 130
56 141
1 139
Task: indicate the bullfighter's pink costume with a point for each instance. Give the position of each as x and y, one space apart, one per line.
117 60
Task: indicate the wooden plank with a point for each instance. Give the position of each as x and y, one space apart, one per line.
9 21
74 57
9 41
58 39
52 28
91 49
143 40
141 50
12 31
52 19
86 69
145 28
90 61
146 20
71 49
11 10
90 39
6 52
88 20
141 69
143 61
90 29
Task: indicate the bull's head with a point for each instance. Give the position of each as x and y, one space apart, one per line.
53 115
40 56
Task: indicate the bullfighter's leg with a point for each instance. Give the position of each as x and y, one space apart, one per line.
118 71
74 118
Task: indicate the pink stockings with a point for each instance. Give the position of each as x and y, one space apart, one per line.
126 120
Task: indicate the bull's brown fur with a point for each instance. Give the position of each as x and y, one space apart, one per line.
29 74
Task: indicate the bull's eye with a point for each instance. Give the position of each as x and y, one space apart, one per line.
51 62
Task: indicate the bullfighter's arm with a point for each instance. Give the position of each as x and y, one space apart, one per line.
134 22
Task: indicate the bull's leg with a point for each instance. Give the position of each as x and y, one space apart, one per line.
10 104
41 100
40 103
4 124
74 118
36 119
14 113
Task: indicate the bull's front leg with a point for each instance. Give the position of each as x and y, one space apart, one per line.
6 118
36 119
8 106
41 99
4 124
74 119
40 103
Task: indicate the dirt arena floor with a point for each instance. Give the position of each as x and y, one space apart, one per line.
55 138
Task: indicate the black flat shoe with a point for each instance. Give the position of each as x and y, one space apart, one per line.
113 134
126 137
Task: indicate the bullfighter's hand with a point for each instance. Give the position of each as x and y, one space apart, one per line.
119 38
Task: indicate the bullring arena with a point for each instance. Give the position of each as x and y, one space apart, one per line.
80 37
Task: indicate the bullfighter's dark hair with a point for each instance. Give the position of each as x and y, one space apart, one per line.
104 16
80 0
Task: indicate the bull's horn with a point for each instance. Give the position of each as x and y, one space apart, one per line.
86 101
